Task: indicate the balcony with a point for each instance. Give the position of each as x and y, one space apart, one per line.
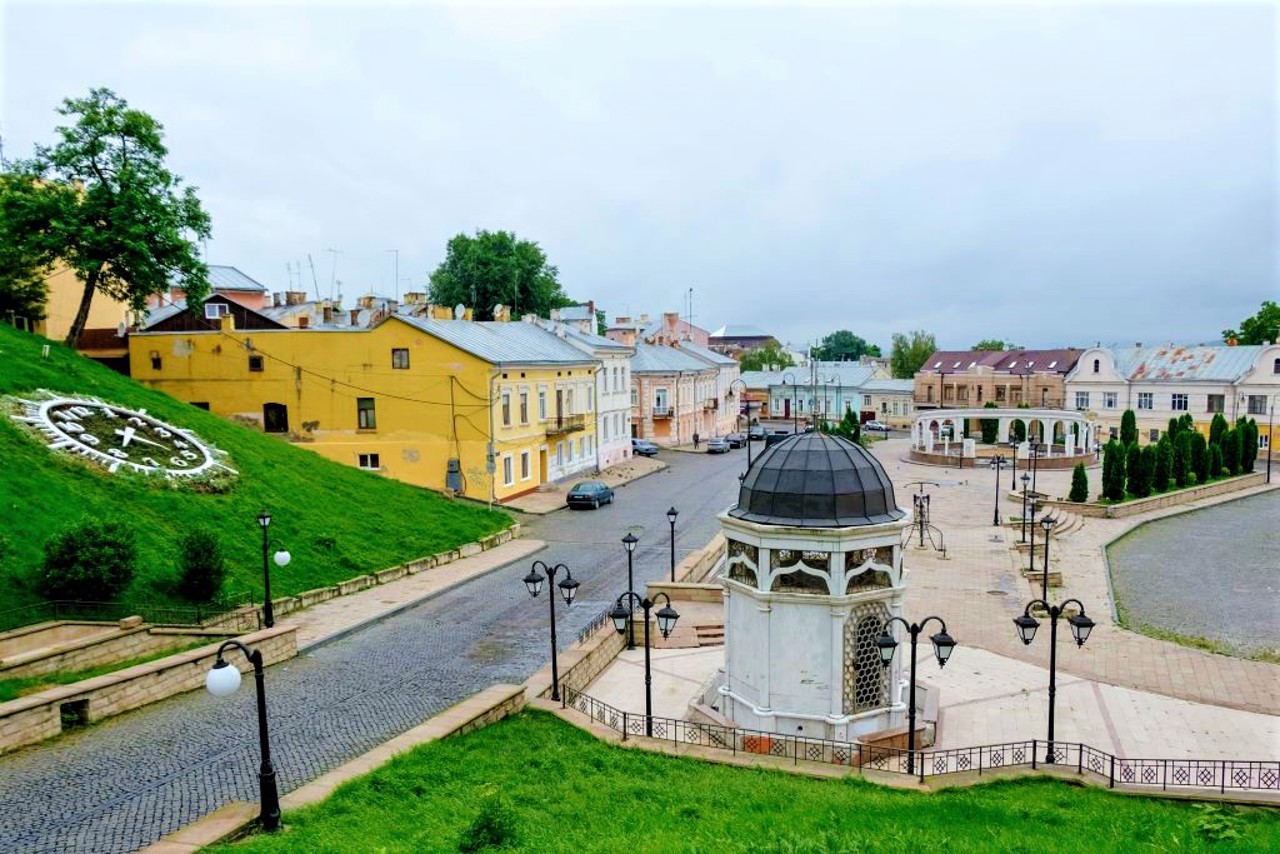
566 424
661 412
711 403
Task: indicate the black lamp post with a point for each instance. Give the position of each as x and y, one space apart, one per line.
1081 625
795 404
1031 553
1046 525
943 645
997 463
1013 473
1035 457
1025 479
282 558
568 589
629 543
222 681
667 616
671 517
747 404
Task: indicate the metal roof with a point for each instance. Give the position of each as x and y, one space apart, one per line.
660 359
226 278
707 355
763 379
900 386
164 312
585 340
1173 362
577 312
499 342
740 330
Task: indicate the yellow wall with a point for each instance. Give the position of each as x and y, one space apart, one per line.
65 292
439 408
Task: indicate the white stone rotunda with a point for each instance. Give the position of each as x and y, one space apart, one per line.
813 569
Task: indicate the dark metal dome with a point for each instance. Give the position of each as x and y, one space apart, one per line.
816 481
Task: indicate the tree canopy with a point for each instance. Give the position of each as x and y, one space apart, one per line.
102 201
843 346
994 344
1262 328
765 358
26 253
495 268
909 352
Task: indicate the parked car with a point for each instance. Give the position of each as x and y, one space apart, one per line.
589 493
643 447
718 445
756 433
737 440
876 425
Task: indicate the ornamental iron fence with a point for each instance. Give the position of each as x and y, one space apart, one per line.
1222 775
220 612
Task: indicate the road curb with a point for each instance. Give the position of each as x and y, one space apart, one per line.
663 467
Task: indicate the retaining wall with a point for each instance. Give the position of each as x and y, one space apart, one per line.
1155 502
127 641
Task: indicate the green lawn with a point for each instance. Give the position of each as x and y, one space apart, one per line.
547 786
337 521
12 689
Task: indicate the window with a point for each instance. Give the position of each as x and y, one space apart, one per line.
370 461
659 400
524 465
591 398
1154 435
570 449
275 418
1144 400
542 404
506 409
635 398
929 394
884 407
1114 432
1108 400
559 453
1178 402
201 404
255 362
1257 404
1275 367
400 358
604 380
1000 392
507 478
568 402
1097 365
214 310
1082 400
1217 402
524 407
155 360
366 419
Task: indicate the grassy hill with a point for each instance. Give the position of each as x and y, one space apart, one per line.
337 521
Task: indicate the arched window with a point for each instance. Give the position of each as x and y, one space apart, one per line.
1275 367
1097 364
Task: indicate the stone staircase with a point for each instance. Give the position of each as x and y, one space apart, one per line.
710 634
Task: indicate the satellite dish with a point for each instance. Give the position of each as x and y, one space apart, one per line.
459 311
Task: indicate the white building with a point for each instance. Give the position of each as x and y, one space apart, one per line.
1160 383
812 574
822 390
613 382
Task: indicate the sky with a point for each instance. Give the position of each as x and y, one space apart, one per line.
1047 175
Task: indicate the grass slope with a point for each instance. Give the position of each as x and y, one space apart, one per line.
337 521
552 787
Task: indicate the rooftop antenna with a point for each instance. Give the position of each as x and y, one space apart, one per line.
314 283
333 269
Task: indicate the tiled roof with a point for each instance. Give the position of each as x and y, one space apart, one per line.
500 342
1059 361
1185 363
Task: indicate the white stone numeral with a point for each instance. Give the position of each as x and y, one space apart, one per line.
148 461
89 439
163 433
179 462
117 453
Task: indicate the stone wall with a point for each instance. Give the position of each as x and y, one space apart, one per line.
95 651
504 704
36 717
1155 502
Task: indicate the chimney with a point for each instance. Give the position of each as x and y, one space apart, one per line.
277 298
501 313
327 311
304 322
626 336
468 314
555 314
621 320
366 301
441 312
227 323
644 318
415 298
393 306
295 297
355 317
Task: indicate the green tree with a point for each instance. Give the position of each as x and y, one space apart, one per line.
1128 428
1215 462
602 325
1262 328
990 426
1182 458
124 224
28 249
1079 484
1163 475
1248 429
91 560
202 566
764 358
1113 470
1199 457
1231 445
849 427
1133 473
994 344
495 268
1147 470
843 346
909 353
1217 427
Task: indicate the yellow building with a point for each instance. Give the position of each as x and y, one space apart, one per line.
103 330
491 410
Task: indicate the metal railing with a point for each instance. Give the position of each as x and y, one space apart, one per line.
596 622
1221 775
160 615
661 412
566 424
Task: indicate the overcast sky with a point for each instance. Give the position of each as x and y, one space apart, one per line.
1047 175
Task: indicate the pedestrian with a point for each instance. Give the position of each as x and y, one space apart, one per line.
696 439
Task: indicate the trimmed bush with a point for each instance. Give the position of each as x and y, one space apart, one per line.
1215 462
202 566
1217 427
1163 474
1079 484
1182 459
1231 451
1133 475
1113 471
1128 428
990 426
92 560
1199 457
1248 444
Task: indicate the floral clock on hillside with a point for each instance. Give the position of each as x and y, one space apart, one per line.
119 438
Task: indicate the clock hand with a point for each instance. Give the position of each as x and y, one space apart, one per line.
128 434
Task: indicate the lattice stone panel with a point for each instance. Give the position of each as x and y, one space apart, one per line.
866 680
872 579
800 582
741 572
739 549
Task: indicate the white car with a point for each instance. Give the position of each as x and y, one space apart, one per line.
876 425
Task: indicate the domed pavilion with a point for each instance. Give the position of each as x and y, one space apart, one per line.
813 569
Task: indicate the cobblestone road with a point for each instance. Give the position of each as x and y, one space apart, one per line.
128 781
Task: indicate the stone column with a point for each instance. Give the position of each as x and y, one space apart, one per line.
765 702
839 614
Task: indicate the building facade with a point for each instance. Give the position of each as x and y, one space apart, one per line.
1161 383
822 391
889 401
488 410
961 378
